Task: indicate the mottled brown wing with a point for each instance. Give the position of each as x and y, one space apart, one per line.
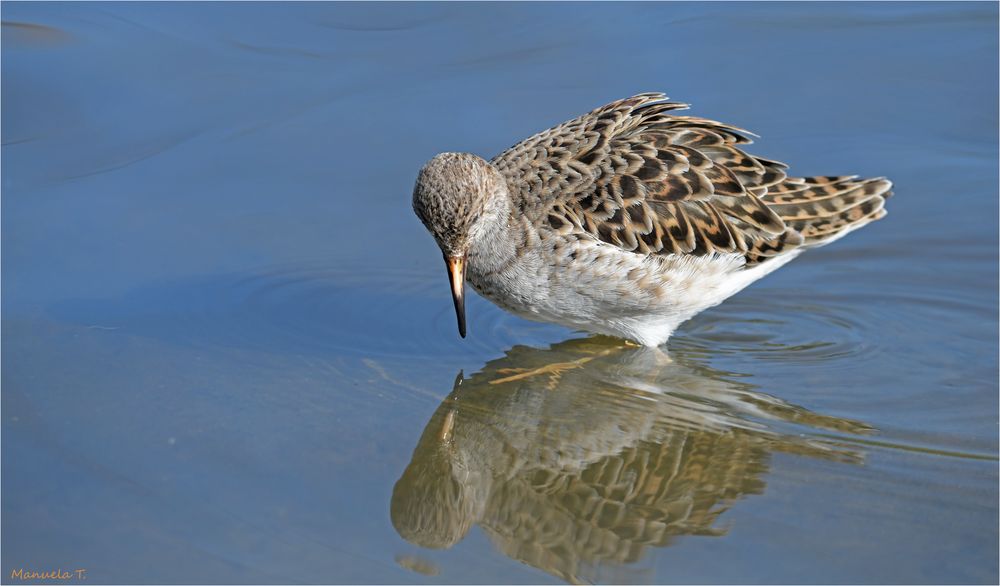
637 176
819 210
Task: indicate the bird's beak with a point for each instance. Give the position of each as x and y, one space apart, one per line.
456 273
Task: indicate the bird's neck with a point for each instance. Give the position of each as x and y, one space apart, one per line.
499 234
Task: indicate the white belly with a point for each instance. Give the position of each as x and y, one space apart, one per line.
605 290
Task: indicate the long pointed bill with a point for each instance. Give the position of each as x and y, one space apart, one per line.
456 273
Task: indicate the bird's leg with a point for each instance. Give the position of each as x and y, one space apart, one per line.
554 370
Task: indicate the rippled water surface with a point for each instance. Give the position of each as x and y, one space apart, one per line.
229 352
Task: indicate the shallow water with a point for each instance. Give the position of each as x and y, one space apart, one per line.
229 352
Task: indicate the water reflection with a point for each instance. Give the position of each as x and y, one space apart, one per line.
580 456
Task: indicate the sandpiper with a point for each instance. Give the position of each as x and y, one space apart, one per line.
628 220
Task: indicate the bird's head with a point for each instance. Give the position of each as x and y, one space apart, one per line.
454 194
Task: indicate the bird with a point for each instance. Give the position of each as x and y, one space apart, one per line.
628 220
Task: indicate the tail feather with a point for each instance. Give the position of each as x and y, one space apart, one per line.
819 210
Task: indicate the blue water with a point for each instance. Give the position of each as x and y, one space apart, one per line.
229 352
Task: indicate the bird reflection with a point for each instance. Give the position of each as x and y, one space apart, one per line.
579 457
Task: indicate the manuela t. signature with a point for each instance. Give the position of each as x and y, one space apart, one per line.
59 574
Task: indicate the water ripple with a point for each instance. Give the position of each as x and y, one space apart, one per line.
27 33
784 328
309 309
364 311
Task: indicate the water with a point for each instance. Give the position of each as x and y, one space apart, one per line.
229 352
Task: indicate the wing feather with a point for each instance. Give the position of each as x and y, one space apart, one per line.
636 175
